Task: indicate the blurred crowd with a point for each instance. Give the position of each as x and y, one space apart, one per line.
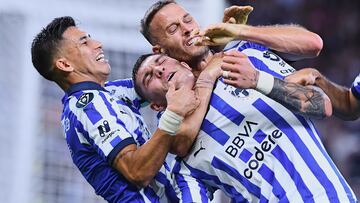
337 22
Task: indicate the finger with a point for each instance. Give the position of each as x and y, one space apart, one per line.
233 60
234 52
171 86
231 21
231 82
235 68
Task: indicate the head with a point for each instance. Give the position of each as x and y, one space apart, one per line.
167 26
63 53
152 74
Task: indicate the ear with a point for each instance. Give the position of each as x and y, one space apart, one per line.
156 107
157 49
64 65
185 65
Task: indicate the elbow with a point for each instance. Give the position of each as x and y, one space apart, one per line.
328 110
317 45
180 150
141 180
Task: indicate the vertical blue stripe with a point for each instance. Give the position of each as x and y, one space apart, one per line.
304 191
245 155
169 190
260 65
269 176
115 141
252 188
216 133
326 155
91 112
226 110
302 149
181 182
259 136
112 112
151 195
202 175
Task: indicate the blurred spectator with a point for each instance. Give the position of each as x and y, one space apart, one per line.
337 23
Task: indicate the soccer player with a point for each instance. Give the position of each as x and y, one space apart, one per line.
105 134
345 101
251 147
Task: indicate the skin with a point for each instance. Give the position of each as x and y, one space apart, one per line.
76 62
155 75
344 103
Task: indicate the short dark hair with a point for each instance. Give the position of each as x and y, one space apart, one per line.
136 68
46 44
148 17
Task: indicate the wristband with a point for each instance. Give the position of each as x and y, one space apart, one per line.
265 83
170 122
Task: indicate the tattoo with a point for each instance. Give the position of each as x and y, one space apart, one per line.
304 100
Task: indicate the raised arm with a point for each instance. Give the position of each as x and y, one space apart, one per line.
345 105
293 40
190 127
308 101
140 165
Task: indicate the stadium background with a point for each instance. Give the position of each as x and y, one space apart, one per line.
35 165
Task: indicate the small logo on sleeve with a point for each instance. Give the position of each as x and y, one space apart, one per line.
84 99
105 128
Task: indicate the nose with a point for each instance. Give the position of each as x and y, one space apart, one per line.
159 71
97 44
186 28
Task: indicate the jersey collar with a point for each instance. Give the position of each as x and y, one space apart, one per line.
87 85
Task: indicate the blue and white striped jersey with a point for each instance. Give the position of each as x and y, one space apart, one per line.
355 88
99 123
256 150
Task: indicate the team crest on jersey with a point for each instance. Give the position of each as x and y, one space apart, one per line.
84 99
237 92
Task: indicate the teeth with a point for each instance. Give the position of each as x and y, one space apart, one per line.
100 57
192 41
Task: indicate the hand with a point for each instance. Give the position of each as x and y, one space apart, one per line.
237 14
219 34
242 74
306 76
212 70
181 101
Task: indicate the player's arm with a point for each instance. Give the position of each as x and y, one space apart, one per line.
293 40
140 165
190 127
306 100
345 105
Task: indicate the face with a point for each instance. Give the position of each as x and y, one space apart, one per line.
156 72
84 55
172 25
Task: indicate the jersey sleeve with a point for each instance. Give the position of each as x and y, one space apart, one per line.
102 124
355 88
124 90
263 58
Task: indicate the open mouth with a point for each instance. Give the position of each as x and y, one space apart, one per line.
192 40
171 75
100 57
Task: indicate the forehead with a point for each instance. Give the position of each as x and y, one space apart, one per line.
151 60
73 33
169 13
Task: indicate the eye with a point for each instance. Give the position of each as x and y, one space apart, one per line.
172 29
148 79
188 19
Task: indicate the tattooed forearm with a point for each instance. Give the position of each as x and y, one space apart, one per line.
304 100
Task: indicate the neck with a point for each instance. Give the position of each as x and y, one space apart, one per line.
200 63
66 83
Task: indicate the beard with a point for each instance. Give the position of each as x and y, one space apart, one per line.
191 57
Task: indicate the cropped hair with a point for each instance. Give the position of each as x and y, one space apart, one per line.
46 44
136 68
148 17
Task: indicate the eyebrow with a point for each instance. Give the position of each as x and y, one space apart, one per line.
84 37
146 74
